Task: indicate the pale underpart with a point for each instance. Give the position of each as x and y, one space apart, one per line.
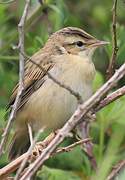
51 105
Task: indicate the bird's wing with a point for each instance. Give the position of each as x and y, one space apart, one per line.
34 77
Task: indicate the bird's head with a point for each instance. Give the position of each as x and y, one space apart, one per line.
73 40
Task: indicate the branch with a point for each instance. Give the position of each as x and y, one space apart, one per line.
21 76
110 98
70 147
111 67
11 167
116 170
74 120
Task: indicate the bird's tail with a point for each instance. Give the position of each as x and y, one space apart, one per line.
20 144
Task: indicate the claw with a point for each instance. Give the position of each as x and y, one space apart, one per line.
40 146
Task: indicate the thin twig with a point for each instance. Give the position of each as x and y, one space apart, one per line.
110 98
61 84
74 120
116 170
12 166
106 101
70 147
21 76
111 68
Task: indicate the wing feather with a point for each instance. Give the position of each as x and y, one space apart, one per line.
33 79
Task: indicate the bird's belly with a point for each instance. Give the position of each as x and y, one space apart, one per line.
51 105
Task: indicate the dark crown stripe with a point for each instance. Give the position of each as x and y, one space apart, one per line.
75 31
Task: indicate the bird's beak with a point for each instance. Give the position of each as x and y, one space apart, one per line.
99 43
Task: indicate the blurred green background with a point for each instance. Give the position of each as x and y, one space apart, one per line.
95 17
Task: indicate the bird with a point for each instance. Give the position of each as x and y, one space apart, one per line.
67 56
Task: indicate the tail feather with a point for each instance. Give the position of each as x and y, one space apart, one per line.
20 144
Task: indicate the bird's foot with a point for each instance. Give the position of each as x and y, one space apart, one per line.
37 150
90 116
40 146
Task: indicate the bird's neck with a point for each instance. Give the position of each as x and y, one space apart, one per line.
87 54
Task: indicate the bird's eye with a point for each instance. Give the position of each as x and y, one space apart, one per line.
79 43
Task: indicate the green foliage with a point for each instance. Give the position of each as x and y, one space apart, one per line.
55 174
98 81
108 130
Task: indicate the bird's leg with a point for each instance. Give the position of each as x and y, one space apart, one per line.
90 117
30 132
